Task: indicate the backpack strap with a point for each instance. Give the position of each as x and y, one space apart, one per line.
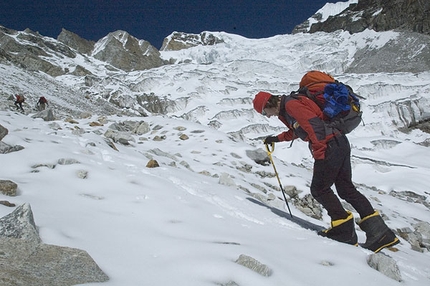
283 113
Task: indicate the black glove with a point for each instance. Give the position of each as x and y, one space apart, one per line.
271 139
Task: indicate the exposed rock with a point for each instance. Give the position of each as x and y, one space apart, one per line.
226 180
247 168
159 138
95 124
259 156
6 148
68 161
291 191
123 138
309 206
411 197
410 51
20 224
152 164
48 265
159 152
419 238
51 46
55 126
413 237
141 128
254 265
136 127
380 15
25 260
424 229
111 144
180 128
7 203
3 132
8 188
384 264
178 41
186 165
82 174
28 56
184 137
70 120
155 104
49 166
75 42
81 71
127 53
46 115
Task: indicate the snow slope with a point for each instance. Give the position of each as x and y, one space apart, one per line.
176 224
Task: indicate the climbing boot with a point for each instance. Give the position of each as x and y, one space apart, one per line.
342 230
378 235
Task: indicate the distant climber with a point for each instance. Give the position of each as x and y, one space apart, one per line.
19 100
42 103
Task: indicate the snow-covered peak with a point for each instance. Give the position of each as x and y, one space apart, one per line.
330 9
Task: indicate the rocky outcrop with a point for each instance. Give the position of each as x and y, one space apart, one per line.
46 115
385 264
4 147
3 132
380 15
8 188
25 260
127 53
409 52
120 50
75 42
254 265
28 49
178 41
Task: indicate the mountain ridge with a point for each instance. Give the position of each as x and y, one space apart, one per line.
194 116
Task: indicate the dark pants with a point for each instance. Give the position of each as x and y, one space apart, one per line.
336 169
19 105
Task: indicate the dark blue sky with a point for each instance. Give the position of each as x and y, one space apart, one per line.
153 20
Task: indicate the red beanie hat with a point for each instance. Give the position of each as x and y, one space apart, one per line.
261 100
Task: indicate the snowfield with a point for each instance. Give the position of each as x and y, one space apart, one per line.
181 223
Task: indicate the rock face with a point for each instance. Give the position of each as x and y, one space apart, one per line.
25 260
3 132
127 53
30 50
178 41
379 15
409 18
118 49
75 42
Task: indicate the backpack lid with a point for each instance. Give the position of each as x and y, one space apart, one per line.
316 80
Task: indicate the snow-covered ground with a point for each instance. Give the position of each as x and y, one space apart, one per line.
176 224
173 226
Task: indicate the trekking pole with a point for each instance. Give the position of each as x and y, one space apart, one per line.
269 153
